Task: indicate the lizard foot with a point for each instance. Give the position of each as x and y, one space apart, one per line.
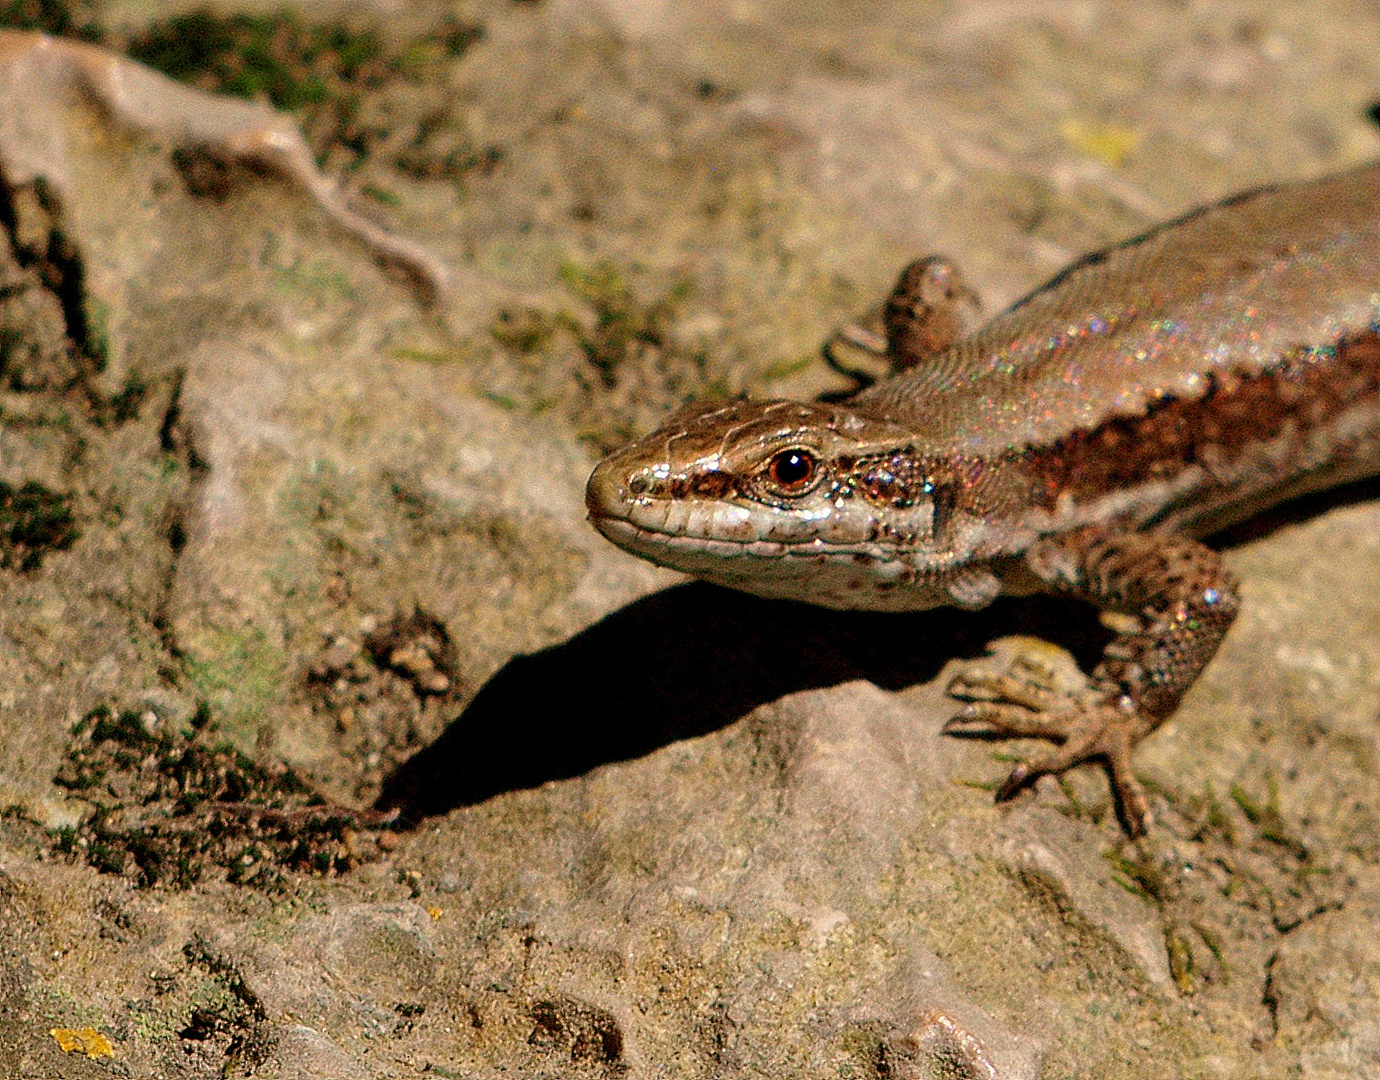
1105 731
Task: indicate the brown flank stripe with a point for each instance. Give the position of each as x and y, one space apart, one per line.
1306 388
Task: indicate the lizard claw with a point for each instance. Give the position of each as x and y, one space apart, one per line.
1024 773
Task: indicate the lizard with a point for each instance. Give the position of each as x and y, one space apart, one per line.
1082 443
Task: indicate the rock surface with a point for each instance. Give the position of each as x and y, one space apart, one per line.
289 503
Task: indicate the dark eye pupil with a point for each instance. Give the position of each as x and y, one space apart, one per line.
792 468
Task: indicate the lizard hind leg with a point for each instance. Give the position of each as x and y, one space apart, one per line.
930 308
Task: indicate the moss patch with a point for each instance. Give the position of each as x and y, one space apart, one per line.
63 18
176 806
34 521
328 76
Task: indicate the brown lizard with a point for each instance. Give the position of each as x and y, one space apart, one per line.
1081 443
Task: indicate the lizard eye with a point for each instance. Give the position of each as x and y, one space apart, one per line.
792 471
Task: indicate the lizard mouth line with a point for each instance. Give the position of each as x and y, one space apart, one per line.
639 538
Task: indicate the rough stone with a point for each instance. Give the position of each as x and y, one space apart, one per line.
649 828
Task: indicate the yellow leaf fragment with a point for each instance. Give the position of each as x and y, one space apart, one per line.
85 1040
1110 144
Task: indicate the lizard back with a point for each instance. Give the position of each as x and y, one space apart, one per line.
1231 288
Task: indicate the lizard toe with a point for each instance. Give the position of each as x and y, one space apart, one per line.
1105 733
1007 721
1022 685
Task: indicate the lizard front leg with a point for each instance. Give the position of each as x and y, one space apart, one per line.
1184 601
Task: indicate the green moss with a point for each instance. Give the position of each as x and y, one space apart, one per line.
170 806
95 344
526 330
242 672
34 520
58 17
314 279
323 73
326 74
623 325
271 57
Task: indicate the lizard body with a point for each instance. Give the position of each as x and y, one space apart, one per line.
1079 443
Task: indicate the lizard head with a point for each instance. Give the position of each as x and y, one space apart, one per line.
812 502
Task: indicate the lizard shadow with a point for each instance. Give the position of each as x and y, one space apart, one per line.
1294 511
684 662
695 658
